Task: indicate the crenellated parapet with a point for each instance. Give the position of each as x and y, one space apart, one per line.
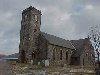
31 9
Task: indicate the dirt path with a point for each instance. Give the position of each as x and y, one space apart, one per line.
4 68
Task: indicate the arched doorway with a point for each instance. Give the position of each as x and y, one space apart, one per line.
23 58
33 58
33 55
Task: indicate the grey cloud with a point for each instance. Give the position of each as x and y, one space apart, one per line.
74 27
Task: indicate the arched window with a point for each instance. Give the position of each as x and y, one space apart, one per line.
60 54
83 61
54 54
36 17
66 55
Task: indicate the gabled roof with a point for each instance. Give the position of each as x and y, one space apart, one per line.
78 44
58 41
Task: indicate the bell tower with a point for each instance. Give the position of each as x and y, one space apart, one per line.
30 29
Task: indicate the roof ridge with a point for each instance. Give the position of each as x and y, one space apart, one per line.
55 36
57 40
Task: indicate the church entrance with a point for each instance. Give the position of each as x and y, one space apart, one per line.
33 56
23 58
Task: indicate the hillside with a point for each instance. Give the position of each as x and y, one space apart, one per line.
2 56
13 55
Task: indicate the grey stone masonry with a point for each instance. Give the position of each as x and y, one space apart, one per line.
40 48
30 28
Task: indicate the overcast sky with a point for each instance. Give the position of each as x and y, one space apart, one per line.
68 19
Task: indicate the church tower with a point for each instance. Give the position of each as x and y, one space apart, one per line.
30 29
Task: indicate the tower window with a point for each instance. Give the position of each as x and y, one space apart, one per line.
29 38
86 54
25 16
60 54
36 17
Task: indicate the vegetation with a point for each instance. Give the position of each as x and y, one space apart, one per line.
94 36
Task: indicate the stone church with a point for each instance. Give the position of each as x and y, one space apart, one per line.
37 47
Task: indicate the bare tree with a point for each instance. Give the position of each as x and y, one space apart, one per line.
94 36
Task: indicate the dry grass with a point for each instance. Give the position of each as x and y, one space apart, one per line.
27 68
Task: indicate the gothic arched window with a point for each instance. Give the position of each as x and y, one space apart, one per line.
83 61
60 54
54 54
66 55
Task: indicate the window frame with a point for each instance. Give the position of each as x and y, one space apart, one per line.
61 54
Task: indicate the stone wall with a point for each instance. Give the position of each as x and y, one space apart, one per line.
87 58
43 44
33 46
57 61
30 29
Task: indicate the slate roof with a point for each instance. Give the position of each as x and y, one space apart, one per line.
78 44
58 41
